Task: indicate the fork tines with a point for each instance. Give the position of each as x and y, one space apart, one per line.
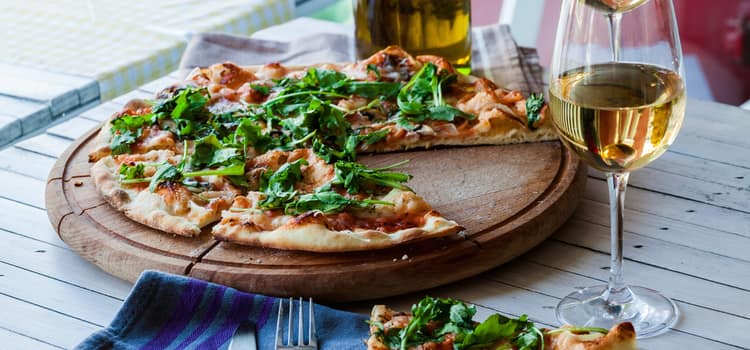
312 343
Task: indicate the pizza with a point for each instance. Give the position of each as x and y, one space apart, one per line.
267 155
436 324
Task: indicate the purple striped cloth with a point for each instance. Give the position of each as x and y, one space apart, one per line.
165 311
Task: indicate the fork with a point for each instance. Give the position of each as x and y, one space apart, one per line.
312 343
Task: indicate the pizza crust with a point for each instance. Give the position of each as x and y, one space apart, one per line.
317 237
152 209
496 136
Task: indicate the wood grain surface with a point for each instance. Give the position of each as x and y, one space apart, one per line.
509 198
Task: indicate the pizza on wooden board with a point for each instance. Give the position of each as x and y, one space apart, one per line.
269 153
447 324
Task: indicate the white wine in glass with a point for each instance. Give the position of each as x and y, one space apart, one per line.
617 98
615 5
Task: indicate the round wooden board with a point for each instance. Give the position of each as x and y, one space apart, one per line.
509 198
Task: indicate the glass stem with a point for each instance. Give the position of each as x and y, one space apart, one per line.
614 34
617 292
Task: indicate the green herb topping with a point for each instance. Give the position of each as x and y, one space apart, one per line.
421 99
434 318
534 105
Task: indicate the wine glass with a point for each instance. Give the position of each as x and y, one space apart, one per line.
617 99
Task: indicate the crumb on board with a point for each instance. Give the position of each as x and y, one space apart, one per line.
404 257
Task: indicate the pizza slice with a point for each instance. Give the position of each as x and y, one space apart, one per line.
171 163
411 101
157 189
436 323
304 203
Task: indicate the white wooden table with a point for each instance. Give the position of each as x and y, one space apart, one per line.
687 235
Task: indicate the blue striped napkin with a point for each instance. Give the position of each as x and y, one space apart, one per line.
165 311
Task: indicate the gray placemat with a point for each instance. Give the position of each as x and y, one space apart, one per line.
495 54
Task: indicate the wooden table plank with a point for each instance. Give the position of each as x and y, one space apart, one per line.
45 144
22 189
73 128
62 297
10 129
44 85
32 115
43 324
60 264
28 221
703 148
674 208
17 341
669 230
160 84
135 94
26 163
666 255
703 169
102 112
689 289
684 187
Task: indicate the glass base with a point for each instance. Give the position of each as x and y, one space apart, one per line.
650 312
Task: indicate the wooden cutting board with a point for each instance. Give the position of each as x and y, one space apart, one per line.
509 198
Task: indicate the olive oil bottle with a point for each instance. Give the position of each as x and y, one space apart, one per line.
421 27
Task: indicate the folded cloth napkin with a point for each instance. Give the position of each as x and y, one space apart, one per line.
495 54
165 311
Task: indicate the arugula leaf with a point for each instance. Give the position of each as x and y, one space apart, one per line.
190 104
234 169
265 90
327 202
421 99
210 152
357 178
249 134
428 309
166 172
534 105
447 113
131 171
371 89
327 153
187 108
325 79
349 151
278 186
126 130
373 68
530 337
331 121
373 137
238 180
494 328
